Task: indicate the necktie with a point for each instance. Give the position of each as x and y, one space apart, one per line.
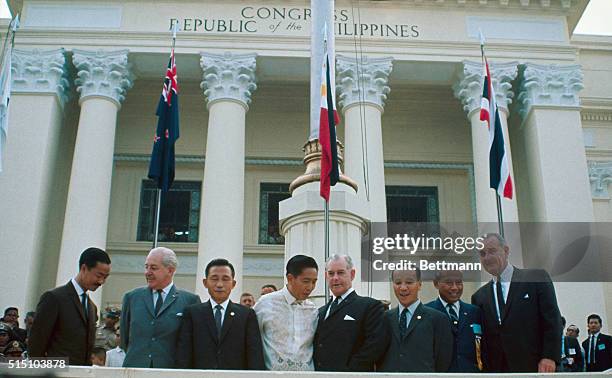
333 305
403 327
453 314
592 349
500 298
160 301
84 303
218 309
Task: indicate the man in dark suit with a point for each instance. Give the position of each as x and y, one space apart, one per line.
598 346
420 338
349 335
465 320
219 334
151 315
571 354
65 322
11 317
517 302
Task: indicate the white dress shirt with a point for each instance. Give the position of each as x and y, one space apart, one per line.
287 329
115 357
411 309
223 305
506 277
342 297
80 291
454 305
165 292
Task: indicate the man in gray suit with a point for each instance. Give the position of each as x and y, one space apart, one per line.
420 338
151 315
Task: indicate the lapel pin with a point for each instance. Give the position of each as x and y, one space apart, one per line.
465 313
232 313
419 317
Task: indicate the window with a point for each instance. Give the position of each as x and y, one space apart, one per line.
179 215
269 197
412 204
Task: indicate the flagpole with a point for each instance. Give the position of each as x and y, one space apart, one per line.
175 28
10 35
157 211
326 221
500 215
326 213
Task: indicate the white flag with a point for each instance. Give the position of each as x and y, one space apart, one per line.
5 84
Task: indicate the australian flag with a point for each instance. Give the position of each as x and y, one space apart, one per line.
161 168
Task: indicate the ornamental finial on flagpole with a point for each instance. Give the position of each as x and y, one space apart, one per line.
175 29
325 35
482 42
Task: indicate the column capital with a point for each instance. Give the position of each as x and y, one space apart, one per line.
370 74
468 87
600 176
40 71
104 74
228 77
549 85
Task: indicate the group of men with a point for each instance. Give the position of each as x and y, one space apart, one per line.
512 325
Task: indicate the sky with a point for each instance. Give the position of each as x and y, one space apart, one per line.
595 20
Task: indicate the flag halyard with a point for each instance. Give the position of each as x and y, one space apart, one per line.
162 166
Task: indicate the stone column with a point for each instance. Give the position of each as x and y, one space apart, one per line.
468 89
550 110
103 79
228 83
363 89
559 187
39 91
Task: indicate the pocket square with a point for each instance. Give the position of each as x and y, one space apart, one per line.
348 317
179 314
526 296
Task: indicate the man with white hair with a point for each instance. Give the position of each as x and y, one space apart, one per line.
151 315
350 334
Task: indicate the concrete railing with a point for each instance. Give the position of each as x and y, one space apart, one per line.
102 372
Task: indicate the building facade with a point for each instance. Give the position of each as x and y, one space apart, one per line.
87 77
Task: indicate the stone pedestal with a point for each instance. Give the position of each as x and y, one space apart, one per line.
302 224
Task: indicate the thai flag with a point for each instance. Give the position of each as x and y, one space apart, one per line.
328 120
499 169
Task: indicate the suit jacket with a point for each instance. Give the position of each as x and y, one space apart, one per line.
531 323
464 348
61 328
426 347
238 348
351 338
603 353
573 361
149 340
